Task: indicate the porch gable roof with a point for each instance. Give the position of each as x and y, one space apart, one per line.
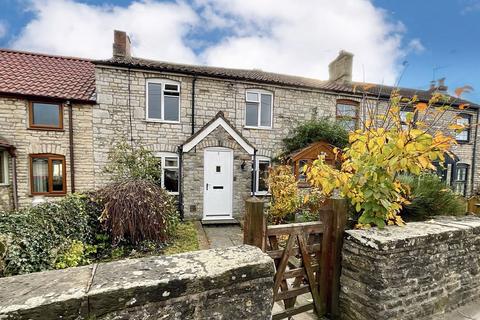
218 120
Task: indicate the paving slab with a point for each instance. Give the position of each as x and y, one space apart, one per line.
223 236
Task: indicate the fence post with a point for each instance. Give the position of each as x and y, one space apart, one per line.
340 209
255 223
334 220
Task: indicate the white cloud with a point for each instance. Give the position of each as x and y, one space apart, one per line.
66 27
416 46
296 37
3 29
302 38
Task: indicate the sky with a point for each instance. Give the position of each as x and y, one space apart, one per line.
407 42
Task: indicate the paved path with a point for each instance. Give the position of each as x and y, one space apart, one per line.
223 236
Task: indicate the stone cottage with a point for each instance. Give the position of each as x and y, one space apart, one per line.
46 147
215 130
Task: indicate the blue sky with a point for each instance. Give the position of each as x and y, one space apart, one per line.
436 38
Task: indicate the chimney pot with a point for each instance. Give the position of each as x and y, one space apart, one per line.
121 45
441 85
340 69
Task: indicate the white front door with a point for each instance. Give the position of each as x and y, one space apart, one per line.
218 183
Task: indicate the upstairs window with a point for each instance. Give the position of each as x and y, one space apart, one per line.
459 181
169 179
258 113
47 174
262 165
404 113
464 120
3 167
45 115
347 114
163 100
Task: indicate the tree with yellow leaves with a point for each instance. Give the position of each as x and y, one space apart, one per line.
388 144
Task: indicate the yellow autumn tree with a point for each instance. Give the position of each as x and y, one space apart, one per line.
388 144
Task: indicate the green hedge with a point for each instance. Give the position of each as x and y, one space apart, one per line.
32 239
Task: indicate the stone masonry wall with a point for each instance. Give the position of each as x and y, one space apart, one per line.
14 127
230 283
416 272
193 174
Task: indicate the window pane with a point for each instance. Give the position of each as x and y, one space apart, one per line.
40 174
266 111
171 87
346 110
348 124
171 180
57 172
252 114
45 114
461 174
171 108
263 175
2 168
252 96
154 98
171 162
463 136
301 170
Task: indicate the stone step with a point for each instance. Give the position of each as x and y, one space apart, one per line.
219 221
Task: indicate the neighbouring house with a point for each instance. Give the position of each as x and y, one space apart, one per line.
46 147
216 130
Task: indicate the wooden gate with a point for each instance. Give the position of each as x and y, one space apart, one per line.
306 255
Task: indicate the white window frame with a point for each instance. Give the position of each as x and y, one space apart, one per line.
162 156
4 155
462 117
162 82
257 176
259 92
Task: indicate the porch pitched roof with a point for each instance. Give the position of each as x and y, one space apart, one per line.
218 120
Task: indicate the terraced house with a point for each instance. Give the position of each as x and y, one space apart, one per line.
216 130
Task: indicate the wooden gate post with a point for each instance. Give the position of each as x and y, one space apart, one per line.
255 223
334 220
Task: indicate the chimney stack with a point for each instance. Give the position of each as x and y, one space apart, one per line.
441 85
340 69
121 45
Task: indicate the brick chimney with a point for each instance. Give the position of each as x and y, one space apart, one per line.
441 85
340 69
121 45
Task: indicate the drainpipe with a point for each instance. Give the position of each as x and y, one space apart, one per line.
14 180
254 172
72 153
474 153
193 103
180 182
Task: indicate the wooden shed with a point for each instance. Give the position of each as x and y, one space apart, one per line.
307 155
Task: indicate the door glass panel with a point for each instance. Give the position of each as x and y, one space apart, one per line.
46 114
40 175
57 172
154 100
218 169
252 114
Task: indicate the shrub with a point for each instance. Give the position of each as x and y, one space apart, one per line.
429 196
77 253
316 130
137 210
283 187
34 237
127 162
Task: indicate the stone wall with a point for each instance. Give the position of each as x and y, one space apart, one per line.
417 272
231 283
14 128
